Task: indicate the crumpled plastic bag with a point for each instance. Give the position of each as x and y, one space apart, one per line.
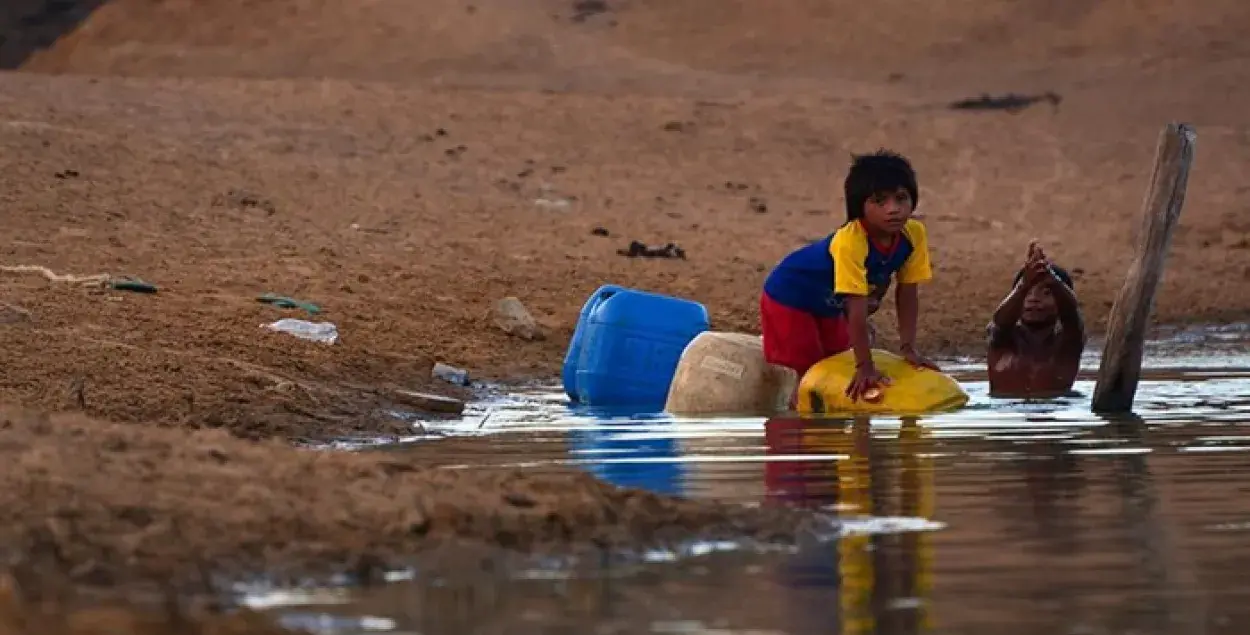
324 332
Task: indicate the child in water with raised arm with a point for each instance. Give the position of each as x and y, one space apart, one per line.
817 300
1037 335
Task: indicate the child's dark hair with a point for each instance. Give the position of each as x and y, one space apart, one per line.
881 171
1059 273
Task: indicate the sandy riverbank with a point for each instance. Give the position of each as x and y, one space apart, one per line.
407 243
113 506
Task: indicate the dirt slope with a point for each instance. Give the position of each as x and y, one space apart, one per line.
296 38
111 504
825 39
843 37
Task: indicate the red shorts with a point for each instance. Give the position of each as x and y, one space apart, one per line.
808 484
798 339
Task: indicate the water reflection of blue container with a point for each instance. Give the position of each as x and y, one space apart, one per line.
620 454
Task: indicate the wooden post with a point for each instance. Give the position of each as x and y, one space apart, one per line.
1120 368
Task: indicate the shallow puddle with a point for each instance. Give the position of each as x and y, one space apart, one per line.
1004 517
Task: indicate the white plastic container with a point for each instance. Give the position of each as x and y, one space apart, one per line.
725 373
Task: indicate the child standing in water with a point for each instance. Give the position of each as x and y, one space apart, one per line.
1037 335
817 300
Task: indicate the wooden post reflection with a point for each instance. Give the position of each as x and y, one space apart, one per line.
1163 565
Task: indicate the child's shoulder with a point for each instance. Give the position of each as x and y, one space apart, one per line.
850 230
850 236
915 231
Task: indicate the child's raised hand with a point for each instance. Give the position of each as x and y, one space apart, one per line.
1036 271
1035 253
1037 267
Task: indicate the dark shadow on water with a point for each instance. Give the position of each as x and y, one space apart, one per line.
1159 559
28 26
1054 516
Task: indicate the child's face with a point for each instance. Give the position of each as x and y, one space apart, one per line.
1039 306
888 211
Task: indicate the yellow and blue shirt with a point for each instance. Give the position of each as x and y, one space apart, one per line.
815 277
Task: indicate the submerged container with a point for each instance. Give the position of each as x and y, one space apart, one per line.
914 391
573 356
723 373
629 347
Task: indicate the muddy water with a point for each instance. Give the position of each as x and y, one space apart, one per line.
1005 517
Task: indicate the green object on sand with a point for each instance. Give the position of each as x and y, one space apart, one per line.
128 283
288 303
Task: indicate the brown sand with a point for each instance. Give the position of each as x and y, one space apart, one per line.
107 504
395 162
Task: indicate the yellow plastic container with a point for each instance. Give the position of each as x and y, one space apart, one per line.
912 391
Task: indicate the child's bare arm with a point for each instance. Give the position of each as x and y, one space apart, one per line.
907 297
1012 307
857 321
866 374
1007 314
1069 310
